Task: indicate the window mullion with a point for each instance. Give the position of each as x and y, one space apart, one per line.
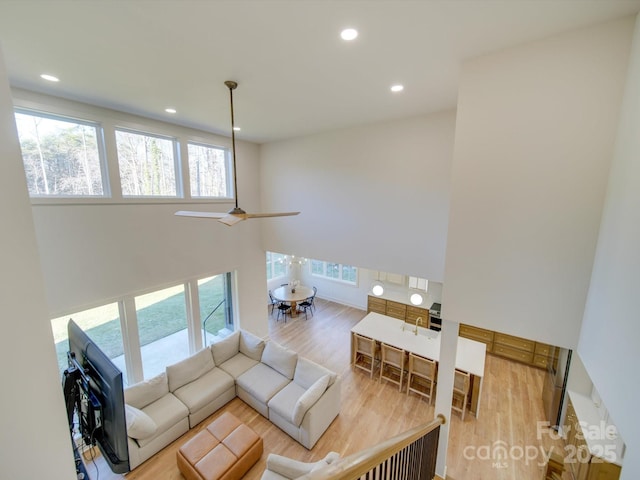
131 340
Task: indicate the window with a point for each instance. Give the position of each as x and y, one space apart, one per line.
215 307
148 165
276 265
162 328
419 283
208 171
335 271
102 324
62 157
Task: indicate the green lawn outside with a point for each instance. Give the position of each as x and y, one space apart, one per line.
164 314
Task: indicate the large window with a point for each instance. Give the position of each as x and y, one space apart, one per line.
208 171
276 265
148 165
162 328
167 328
62 157
335 271
102 324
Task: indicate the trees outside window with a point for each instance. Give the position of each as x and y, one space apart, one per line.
62 157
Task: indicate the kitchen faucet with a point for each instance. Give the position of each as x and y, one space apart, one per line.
418 322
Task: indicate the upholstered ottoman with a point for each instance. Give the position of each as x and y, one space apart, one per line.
225 450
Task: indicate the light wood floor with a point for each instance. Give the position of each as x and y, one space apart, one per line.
511 406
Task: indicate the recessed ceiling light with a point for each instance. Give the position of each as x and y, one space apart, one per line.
397 88
236 129
170 110
349 34
50 78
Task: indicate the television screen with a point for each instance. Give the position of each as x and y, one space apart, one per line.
101 412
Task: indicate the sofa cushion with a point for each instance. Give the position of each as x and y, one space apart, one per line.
238 364
284 402
251 345
311 396
189 369
142 394
280 359
139 424
165 412
262 382
205 389
308 372
226 348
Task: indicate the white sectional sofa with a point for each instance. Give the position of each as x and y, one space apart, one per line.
299 396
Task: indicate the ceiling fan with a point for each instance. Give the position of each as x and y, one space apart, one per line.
237 214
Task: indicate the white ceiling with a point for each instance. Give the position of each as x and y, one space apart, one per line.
295 75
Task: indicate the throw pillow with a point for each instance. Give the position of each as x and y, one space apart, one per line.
251 345
143 393
139 424
308 372
189 369
226 348
281 359
309 398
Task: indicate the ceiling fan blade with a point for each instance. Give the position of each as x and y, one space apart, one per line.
264 215
187 213
232 218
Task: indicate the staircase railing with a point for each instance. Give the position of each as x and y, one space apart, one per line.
408 456
204 323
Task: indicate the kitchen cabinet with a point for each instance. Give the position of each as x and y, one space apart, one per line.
477 334
515 348
520 349
583 456
399 310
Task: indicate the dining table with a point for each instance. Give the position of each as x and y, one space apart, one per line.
470 355
292 296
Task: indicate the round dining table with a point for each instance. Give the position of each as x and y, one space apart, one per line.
284 294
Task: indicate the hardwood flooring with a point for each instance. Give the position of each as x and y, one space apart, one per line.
503 444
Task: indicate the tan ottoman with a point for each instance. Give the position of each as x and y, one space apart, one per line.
225 450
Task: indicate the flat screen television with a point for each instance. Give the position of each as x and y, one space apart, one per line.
94 391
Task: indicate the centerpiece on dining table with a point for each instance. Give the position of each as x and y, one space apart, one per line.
293 284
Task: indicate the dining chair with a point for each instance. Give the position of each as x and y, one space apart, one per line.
308 304
461 387
421 378
365 354
392 364
283 308
274 302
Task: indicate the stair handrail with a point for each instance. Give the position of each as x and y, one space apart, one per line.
204 323
357 464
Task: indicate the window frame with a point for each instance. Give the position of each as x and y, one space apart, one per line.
273 262
340 278
177 163
227 165
100 145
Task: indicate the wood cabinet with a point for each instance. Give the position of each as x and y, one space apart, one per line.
402 311
515 348
580 460
477 334
396 310
378 305
520 349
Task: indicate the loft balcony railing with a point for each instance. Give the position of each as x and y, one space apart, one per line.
408 456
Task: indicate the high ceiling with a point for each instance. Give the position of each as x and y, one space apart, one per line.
296 75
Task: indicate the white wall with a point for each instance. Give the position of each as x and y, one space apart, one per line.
34 434
611 328
534 140
92 254
375 196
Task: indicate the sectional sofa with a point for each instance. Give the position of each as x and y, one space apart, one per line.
299 396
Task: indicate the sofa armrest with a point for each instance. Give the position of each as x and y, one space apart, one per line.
318 418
